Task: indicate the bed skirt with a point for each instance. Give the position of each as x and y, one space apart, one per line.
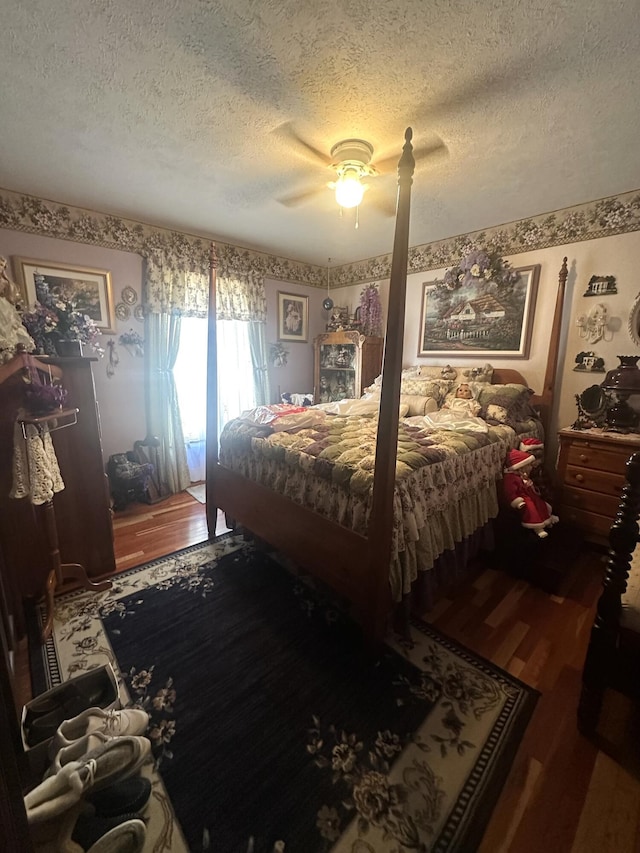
451 567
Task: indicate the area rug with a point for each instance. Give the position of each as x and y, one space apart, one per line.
199 492
272 724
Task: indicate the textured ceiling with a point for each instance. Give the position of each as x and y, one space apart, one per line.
176 112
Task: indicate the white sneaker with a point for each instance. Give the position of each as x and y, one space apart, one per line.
76 751
115 759
130 722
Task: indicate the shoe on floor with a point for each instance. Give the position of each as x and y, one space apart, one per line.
127 796
129 722
115 759
76 751
81 832
121 834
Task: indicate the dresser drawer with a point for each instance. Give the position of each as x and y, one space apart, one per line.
582 455
591 501
594 480
590 522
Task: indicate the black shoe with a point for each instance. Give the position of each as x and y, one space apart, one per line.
129 796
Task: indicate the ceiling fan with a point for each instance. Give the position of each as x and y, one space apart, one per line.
351 161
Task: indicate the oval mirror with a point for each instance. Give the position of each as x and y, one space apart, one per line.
634 321
593 401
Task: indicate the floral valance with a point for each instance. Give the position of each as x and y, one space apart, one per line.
240 296
176 281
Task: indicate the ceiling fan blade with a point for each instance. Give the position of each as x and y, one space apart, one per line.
287 134
434 149
384 204
296 198
505 79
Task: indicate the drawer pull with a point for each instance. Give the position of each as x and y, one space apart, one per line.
580 478
584 457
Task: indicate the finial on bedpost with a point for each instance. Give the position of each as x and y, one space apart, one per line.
564 271
407 162
213 257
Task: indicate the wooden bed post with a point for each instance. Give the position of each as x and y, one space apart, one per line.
381 518
546 398
212 397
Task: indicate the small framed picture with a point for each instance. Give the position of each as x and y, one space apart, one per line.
293 317
89 288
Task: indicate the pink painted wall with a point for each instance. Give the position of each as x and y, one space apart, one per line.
121 397
297 375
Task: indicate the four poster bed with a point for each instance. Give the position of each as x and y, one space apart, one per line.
332 494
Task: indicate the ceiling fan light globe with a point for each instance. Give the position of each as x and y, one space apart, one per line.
349 190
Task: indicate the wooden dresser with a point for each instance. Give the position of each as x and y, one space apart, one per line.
591 472
82 508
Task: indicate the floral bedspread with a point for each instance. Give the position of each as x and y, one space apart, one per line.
445 480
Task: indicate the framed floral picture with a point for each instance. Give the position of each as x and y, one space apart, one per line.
293 317
479 318
89 289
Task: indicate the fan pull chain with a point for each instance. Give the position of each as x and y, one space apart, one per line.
357 216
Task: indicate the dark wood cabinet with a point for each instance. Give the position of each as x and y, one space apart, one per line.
591 469
344 364
82 508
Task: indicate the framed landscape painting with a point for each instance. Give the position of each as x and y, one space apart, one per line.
293 317
481 318
89 288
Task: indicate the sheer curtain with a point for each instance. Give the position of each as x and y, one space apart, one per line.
238 387
236 381
190 373
176 280
175 296
162 333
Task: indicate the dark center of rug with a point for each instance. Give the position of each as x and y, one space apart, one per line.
270 719
263 701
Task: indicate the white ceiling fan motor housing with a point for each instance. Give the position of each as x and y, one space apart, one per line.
352 152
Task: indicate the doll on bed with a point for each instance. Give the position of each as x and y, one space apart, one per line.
462 401
523 495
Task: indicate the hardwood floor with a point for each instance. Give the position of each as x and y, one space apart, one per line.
144 532
564 794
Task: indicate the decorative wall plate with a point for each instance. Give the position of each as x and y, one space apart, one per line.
129 296
138 313
123 312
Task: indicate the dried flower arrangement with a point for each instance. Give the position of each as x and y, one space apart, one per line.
479 264
133 341
278 355
55 318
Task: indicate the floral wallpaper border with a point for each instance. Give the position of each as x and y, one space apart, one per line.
20 212
617 214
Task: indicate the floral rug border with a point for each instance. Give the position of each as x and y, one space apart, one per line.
500 704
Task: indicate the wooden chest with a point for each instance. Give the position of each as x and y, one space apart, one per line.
591 472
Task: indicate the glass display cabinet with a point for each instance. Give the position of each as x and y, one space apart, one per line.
344 364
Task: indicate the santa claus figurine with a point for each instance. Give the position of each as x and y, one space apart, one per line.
523 495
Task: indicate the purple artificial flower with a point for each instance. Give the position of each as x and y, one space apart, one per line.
371 311
479 264
56 317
